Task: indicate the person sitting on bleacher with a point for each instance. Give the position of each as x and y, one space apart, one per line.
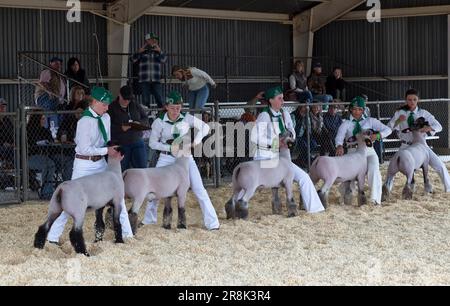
404 117
298 83
6 136
317 86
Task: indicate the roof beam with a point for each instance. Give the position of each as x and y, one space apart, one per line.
127 11
218 14
327 12
433 10
50 5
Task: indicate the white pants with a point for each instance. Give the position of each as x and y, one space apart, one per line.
209 214
83 168
437 164
373 175
311 200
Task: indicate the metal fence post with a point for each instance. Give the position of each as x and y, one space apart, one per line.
23 152
308 136
217 174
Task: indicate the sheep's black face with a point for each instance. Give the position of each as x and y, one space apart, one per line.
120 150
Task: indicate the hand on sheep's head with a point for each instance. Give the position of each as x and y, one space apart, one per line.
115 152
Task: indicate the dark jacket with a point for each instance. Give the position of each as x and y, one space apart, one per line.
81 77
6 130
120 116
333 85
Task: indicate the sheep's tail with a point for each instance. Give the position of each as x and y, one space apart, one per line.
236 174
56 200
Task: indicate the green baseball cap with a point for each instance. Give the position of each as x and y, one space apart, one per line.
101 94
273 92
174 97
358 102
151 36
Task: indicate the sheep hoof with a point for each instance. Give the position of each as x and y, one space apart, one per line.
229 209
385 194
182 226
167 226
119 241
428 188
407 193
87 254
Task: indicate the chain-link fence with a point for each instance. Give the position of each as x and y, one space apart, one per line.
9 158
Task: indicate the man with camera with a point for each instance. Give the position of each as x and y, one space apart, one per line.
150 58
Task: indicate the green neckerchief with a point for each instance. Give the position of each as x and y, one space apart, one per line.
180 118
280 118
411 119
101 126
357 128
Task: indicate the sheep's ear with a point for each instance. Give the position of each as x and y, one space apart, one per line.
368 142
120 150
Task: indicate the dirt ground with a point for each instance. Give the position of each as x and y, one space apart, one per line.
401 242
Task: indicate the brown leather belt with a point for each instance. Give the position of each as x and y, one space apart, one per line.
92 158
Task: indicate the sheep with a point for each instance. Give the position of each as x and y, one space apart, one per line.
158 183
408 160
76 196
344 168
250 175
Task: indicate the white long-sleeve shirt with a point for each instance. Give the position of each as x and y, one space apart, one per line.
397 125
266 131
163 130
88 138
199 79
345 130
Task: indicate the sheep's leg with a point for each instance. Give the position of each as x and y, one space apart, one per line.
41 235
276 203
133 213
346 192
182 210
167 214
229 208
324 191
99 225
242 204
408 189
426 179
76 234
362 200
116 220
292 207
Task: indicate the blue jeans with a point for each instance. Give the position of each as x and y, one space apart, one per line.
305 96
324 99
49 104
45 165
151 88
197 98
135 154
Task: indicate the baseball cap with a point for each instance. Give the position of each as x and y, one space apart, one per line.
151 36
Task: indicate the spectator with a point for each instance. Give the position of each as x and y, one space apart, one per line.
299 84
50 94
6 135
317 86
335 84
74 71
38 136
150 57
123 111
197 82
332 120
320 132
